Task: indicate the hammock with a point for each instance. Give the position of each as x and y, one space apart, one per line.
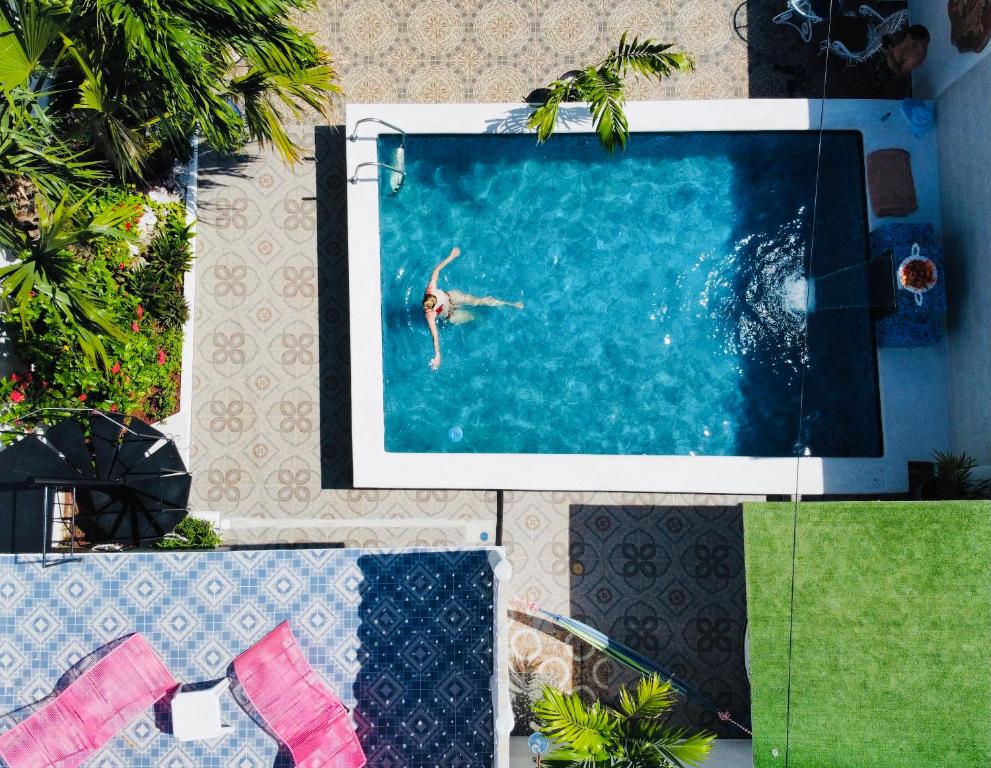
630 658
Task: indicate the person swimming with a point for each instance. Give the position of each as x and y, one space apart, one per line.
439 304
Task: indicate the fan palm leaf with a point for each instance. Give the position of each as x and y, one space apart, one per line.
48 268
29 35
120 142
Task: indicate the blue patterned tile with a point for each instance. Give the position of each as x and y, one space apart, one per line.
404 638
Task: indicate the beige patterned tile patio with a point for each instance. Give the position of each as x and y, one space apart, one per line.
500 50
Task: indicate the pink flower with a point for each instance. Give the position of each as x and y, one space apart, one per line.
161 357
14 377
134 326
115 368
82 398
16 397
140 311
113 408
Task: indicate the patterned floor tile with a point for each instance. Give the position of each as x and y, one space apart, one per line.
404 638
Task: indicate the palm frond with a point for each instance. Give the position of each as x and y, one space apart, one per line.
544 117
49 270
681 748
564 757
118 140
266 95
565 718
652 698
603 89
28 32
30 149
648 58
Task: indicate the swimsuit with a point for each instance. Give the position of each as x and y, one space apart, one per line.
443 302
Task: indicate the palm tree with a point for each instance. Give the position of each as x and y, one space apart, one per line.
49 270
138 78
632 736
34 157
602 86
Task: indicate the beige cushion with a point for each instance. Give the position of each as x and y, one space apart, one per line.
890 183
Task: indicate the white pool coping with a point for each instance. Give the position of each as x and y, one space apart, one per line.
912 381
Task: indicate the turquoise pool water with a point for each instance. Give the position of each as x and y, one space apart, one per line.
655 284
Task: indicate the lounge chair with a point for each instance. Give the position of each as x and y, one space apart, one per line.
293 703
91 710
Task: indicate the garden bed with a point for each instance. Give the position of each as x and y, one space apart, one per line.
137 282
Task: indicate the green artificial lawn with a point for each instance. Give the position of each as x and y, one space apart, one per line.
891 646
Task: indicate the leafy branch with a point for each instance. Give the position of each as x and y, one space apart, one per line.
602 86
632 736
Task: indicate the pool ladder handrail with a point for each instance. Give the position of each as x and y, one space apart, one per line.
354 131
354 177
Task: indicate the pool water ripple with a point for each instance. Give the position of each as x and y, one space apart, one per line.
654 286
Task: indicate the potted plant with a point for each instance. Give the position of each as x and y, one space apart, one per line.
953 479
192 533
629 736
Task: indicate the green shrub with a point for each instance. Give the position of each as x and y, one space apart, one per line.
141 377
199 534
171 310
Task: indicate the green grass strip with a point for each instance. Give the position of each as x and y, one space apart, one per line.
891 654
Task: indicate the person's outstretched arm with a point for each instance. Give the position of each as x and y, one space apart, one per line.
432 325
455 252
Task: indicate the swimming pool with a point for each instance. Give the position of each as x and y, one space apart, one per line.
654 283
656 350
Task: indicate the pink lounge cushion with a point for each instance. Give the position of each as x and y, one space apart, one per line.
91 710
295 703
890 182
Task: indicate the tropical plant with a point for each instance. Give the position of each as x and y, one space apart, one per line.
135 79
630 736
602 85
48 268
33 154
171 309
525 684
196 533
953 479
140 375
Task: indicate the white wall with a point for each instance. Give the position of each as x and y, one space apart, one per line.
965 188
944 63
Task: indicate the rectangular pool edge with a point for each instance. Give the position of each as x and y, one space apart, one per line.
375 467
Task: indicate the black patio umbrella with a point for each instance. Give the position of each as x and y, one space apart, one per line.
130 482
